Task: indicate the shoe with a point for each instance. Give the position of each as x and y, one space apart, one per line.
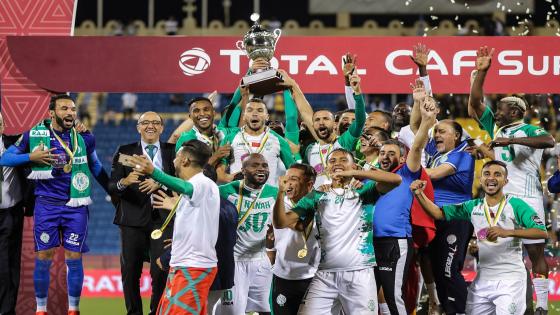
73 312
41 313
541 311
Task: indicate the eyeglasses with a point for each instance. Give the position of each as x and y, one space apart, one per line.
145 123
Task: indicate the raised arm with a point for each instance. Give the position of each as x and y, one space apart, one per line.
417 188
185 126
348 68
418 95
357 125
476 104
428 111
385 180
303 105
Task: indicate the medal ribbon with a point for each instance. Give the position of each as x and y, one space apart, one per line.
322 157
506 126
211 141
264 139
171 213
501 207
65 147
307 231
240 204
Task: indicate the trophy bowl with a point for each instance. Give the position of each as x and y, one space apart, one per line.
257 43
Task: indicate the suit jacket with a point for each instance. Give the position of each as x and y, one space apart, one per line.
27 186
134 207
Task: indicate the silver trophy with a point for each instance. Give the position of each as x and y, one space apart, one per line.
259 42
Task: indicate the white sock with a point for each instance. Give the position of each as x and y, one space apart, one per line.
541 291
384 309
41 304
432 292
73 303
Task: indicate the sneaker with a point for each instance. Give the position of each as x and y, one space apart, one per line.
73 312
541 311
41 313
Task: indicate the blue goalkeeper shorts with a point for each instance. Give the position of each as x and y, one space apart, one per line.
56 224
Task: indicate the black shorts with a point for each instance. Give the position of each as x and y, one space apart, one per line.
286 295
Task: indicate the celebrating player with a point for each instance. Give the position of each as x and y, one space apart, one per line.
63 163
345 276
520 146
297 249
254 200
193 255
500 221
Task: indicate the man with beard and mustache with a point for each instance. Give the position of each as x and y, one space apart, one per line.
63 161
255 137
193 255
520 146
323 125
254 199
297 249
500 221
392 227
345 275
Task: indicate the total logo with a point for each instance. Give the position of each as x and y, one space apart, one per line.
194 61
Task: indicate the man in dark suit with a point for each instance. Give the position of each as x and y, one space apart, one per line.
135 215
12 192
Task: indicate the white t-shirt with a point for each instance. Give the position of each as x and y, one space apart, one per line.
287 243
195 230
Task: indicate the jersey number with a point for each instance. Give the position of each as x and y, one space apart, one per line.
255 223
507 154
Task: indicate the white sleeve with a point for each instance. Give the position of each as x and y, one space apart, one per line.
427 84
349 93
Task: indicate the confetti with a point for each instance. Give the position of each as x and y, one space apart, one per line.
402 23
452 1
433 17
456 17
475 31
459 26
498 5
426 29
513 28
553 7
434 28
509 10
406 3
528 11
518 3
431 8
557 34
549 1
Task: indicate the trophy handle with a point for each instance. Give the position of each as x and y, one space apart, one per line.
239 45
278 33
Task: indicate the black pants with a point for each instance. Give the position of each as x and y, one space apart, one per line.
11 229
286 295
447 253
137 247
393 257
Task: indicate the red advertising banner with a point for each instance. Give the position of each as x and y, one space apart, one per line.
107 283
202 64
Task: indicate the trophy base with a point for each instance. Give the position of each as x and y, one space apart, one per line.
264 82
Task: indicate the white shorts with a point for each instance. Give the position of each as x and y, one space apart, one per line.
355 291
213 299
499 297
251 291
537 205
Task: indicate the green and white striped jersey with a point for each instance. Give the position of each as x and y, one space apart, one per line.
523 163
501 259
255 213
344 223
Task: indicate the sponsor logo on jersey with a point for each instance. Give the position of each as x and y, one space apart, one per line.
537 220
385 269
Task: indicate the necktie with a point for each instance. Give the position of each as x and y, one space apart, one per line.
151 149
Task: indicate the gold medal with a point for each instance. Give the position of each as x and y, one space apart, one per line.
67 168
156 234
302 253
